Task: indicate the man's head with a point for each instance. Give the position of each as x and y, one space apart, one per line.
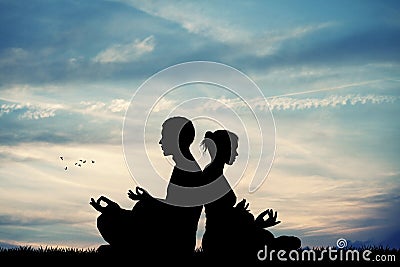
177 135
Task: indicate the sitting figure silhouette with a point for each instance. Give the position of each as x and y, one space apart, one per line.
114 224
158 228
231 232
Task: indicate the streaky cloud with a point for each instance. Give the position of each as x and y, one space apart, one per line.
126 52
30 111
226 31
285 103
288 103
18 220
114 106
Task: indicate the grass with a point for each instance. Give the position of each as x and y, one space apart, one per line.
92 256
45 251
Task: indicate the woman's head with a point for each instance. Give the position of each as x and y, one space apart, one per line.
222 146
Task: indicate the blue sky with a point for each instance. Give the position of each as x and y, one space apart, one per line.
329 70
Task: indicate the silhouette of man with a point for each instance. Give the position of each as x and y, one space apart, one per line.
176 137
153 225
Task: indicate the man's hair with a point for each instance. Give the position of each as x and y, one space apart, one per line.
182 127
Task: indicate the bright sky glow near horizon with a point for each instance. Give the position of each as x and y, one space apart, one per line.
329 70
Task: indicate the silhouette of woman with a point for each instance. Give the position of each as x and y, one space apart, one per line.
222 146
231 231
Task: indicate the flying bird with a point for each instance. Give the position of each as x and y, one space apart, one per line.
84 161
92 161
65 168
62 158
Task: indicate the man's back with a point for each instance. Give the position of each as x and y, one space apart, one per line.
183 219
177 135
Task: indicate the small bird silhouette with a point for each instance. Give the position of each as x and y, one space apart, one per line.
92 161
62 158
79 165
65 168
84 161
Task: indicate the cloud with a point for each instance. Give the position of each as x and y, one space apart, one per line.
203 23
375 44
286 103
114 106
55 113
164 104
13 55
120 53
269 42
194 22
83 122
289 103
118 105
37 219
51 205
93 106
330 205
30 111
73 50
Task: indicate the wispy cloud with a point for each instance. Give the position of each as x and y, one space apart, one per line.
225 31
40 110
284 103
164 104
287 103
194 22
45 196
269 42
118 105
126 52
114 106
41 218
13 55
30 111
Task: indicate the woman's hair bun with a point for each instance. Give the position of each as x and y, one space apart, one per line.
209 135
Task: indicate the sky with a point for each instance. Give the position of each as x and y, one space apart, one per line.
329 72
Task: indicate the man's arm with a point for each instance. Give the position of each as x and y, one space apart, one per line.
97 204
